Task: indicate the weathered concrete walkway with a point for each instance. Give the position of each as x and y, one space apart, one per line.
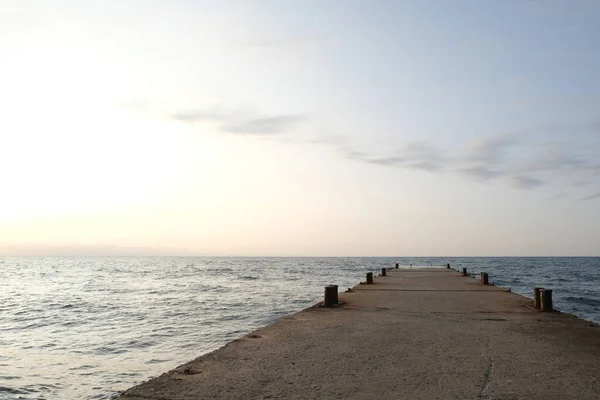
414 334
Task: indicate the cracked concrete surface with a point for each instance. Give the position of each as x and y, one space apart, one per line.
414 334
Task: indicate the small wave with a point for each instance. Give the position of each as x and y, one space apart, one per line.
4 389
105 396
588 301
248 278
139 344
157 361
232 317
9 378
300 301
109 350
129 375
83 367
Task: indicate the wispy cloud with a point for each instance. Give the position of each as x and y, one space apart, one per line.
264 126
491 149
592 196
582 183
555 155
193 116
526 182
480 172
557 196
242 123
414 155
485 158
524 160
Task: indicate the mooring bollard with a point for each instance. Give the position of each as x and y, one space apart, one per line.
546 300
464 271
448 266
331 295
335 294
536 298
383 271
485 278
369 278
397 265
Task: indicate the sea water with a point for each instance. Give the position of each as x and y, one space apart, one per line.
88 328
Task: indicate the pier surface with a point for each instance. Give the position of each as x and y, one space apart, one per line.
414 334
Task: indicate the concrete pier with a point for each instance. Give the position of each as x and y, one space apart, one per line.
415 334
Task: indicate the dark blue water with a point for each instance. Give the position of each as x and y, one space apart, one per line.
87 328
575 280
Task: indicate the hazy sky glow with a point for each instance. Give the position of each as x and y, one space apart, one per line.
300 128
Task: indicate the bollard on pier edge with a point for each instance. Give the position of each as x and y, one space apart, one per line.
546 300
331 296
383 271
536 298
448 266
464 271
397 265
485 278
369 278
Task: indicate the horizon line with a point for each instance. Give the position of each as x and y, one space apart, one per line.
291 256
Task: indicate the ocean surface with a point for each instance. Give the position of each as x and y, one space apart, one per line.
88 328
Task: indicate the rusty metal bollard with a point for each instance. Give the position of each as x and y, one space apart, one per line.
331 295
485 278
536 298
546 300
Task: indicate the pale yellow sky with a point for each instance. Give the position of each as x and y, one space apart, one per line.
264 129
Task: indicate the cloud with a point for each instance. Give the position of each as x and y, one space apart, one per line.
392 161
264 126
414 155
480 172
582 183
592 196
556 154
526 182
241 123
193 116
485 158
524 160
491 149
557 196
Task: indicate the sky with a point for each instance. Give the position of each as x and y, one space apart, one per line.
300 128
